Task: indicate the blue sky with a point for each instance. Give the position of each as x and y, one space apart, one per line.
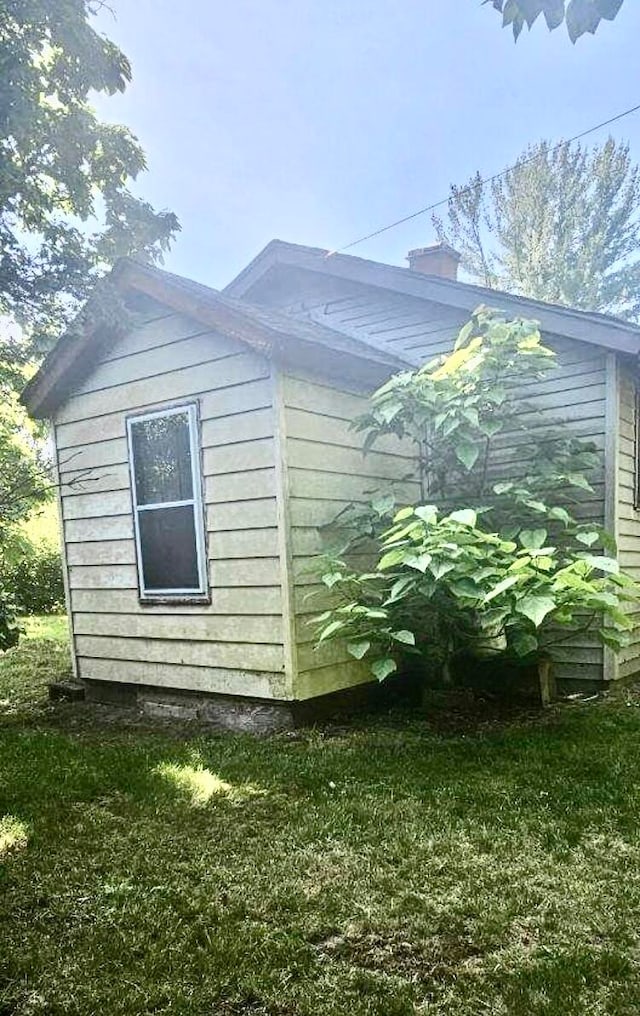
316 121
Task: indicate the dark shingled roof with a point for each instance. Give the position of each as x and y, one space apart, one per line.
276 335
605 330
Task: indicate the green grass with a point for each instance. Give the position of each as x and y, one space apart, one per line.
51 627
405 867
42 656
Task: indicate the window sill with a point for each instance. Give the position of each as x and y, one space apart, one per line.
174 601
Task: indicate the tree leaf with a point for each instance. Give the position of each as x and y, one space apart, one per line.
605 564
463 335
382 668
582 16
439 568
465 517
532 539
524 643
560 514
391 558
330 630
501 588
470 414
490 426
331 578
608 9
418 561
405 636
614 639
428 513
389 410
588 538
383 504
579 481
553 13
358 649
404 513
467 453
535 608
399 587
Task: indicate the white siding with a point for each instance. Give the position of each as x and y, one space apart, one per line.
326 470
574 395
628 516
235 644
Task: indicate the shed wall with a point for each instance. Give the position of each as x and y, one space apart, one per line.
326 471
628 518
575 394
235 644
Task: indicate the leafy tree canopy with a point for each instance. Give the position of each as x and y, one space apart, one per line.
561 225
67 213
66 208
580 16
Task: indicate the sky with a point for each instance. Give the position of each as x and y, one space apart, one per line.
318 121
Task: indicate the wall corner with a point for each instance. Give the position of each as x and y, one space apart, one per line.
284 533
611 477
63 552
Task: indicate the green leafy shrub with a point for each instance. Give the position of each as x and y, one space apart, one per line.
500 556
35 576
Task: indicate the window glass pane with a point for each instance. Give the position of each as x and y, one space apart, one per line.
168 548
162 459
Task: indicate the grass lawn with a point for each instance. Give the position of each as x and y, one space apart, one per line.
407 866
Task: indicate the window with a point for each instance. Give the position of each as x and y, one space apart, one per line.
167 503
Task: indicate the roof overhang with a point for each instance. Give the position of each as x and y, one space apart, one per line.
285 340
584 326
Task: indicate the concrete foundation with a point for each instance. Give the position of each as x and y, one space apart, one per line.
235 713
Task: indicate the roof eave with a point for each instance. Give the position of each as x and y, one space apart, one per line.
66 363
579 325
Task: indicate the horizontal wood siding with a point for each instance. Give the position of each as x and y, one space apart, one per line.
628 515
326 470
234 644
573 395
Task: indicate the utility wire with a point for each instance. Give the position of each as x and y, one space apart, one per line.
490 179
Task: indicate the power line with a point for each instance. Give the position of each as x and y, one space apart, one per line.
490 179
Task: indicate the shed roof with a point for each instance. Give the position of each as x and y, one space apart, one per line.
604 330
276 335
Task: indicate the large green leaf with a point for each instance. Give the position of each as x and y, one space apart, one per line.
330 630
467 453
533 539
391 558
404 636
465 516
440 568
524 643
418 561
382 668
588 538
501 588
605 564
535 608
428 513
400 586
358 649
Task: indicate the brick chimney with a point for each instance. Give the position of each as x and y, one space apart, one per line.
438 259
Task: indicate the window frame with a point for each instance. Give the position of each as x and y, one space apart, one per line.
174 594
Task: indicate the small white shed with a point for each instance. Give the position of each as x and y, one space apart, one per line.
200 447
198 450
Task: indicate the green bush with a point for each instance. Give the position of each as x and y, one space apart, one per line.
35 580
499 556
